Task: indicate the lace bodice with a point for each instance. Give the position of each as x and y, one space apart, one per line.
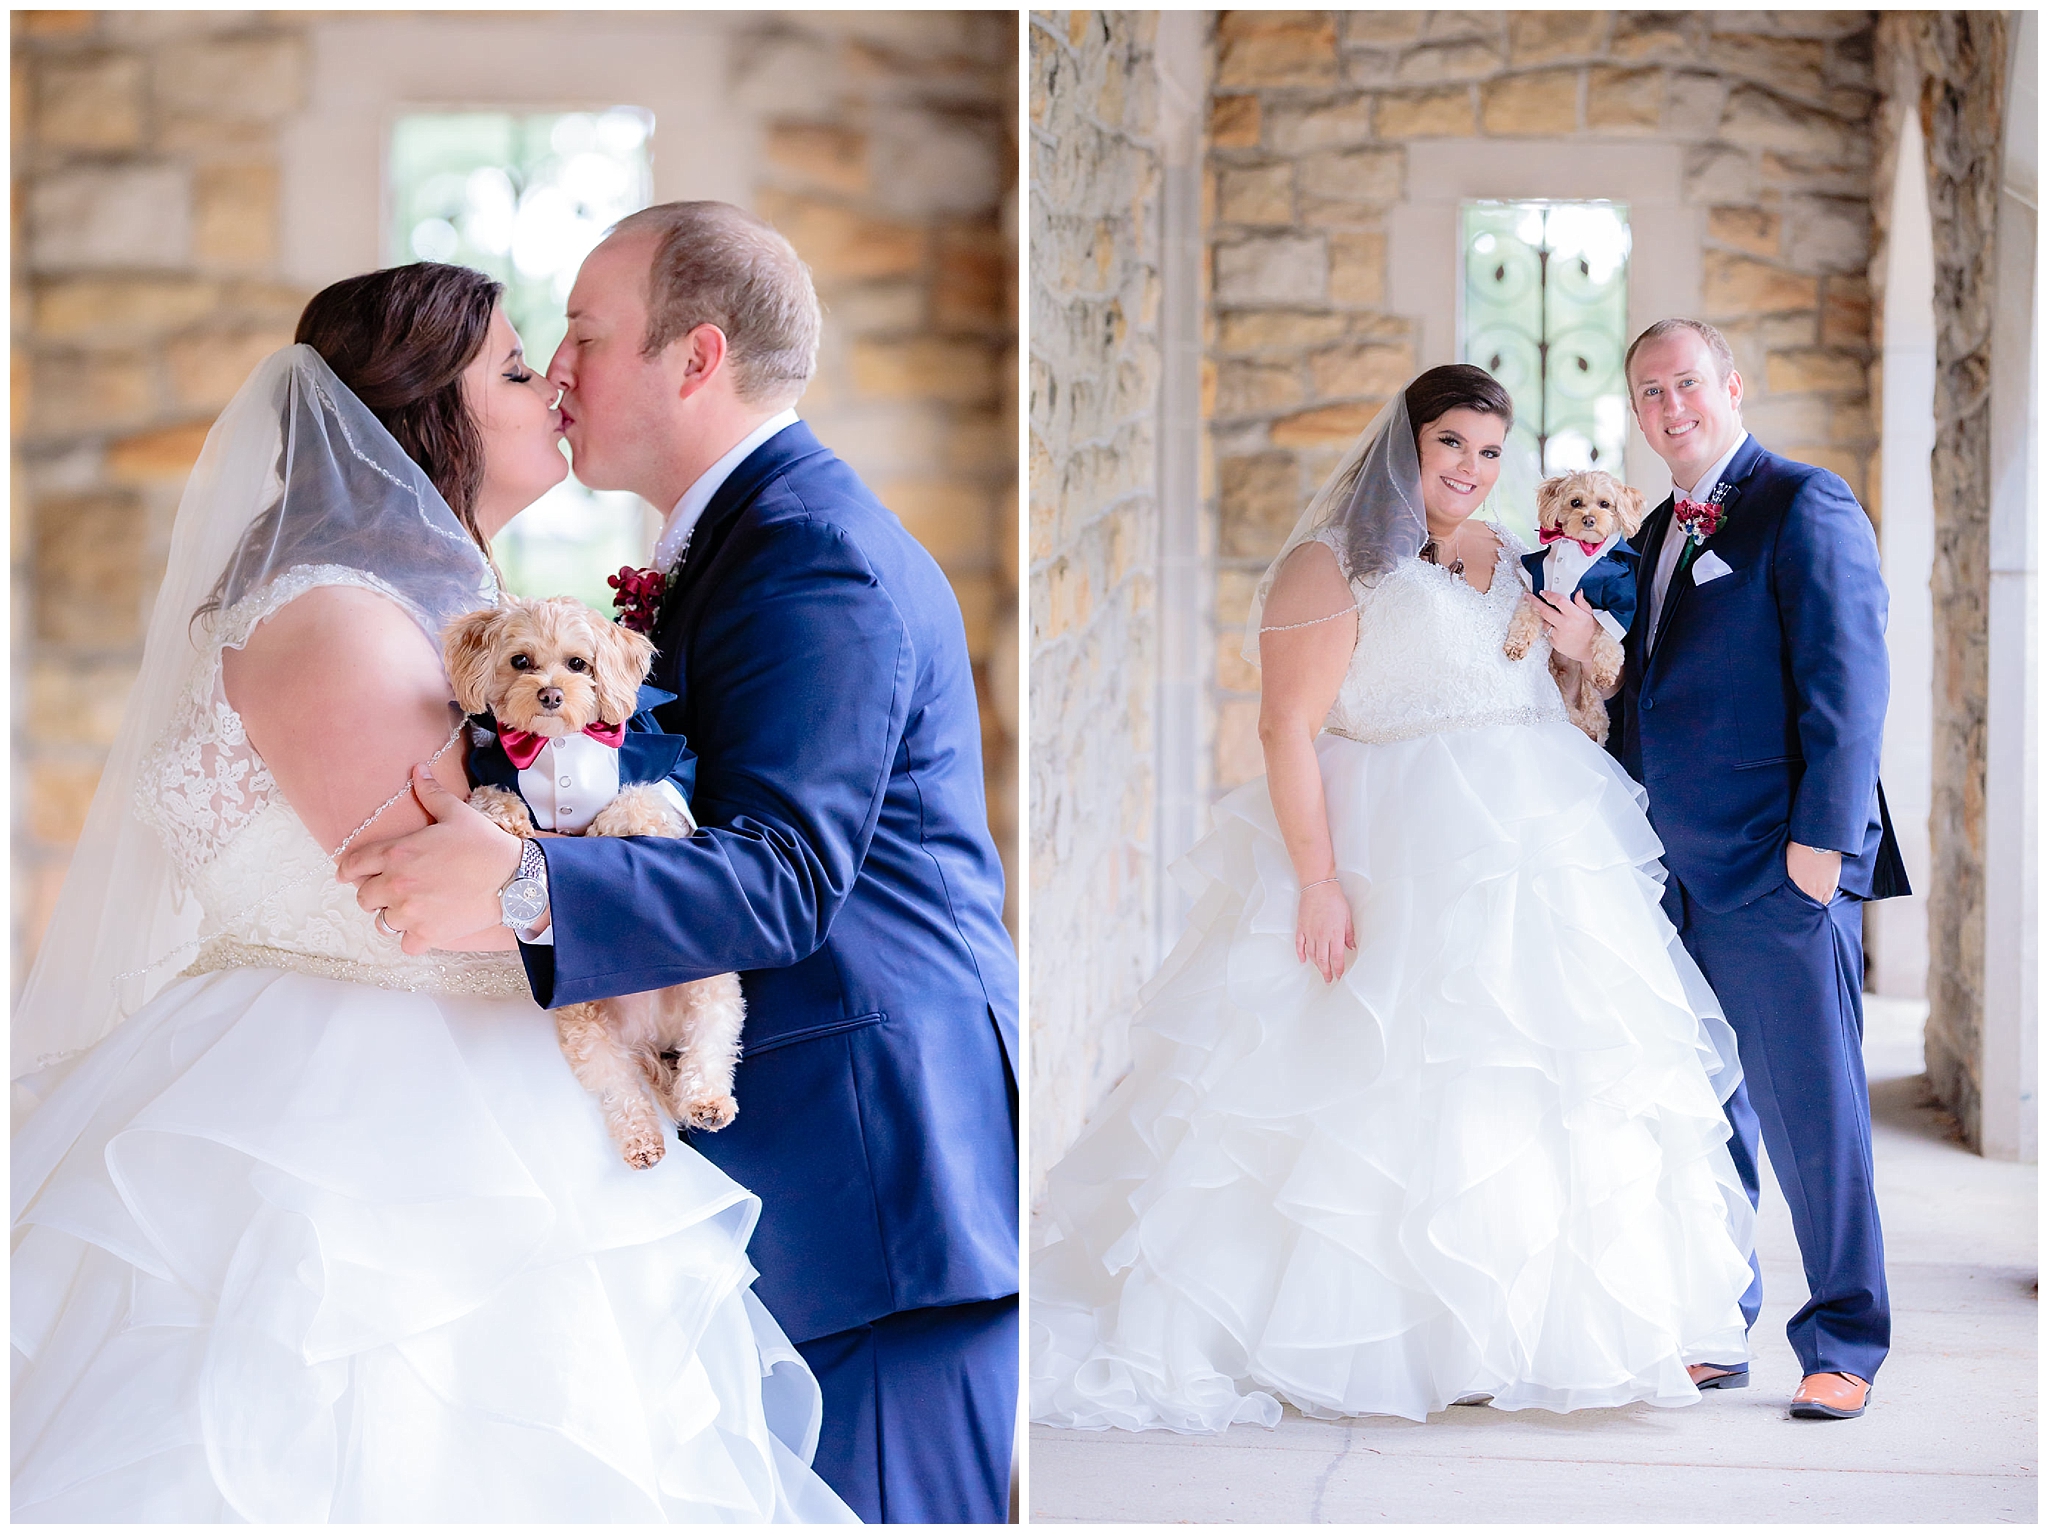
264 886
1429 655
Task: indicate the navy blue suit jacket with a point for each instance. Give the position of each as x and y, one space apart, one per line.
845 869
1758 713
1609 582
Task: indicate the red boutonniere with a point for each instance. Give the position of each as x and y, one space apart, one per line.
637 596
1701 519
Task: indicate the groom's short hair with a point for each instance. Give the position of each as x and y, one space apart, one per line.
1724 357
715 264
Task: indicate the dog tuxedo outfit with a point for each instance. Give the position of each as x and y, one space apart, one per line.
1605 572
566 780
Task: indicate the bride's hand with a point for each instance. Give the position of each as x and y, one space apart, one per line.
1323 933
1571 625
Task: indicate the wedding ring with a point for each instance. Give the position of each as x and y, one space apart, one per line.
385 927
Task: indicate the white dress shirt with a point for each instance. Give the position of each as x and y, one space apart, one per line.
682 520
1674 536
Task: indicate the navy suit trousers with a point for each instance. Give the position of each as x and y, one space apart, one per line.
921 1413
1789 974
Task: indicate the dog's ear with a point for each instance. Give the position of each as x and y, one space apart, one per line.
1631 500
621 661
1549 501
467 649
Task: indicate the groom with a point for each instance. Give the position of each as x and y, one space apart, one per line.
1752 708
844 867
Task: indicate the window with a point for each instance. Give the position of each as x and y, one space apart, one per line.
524 197
1546 312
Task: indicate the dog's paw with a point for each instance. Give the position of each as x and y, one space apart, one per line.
1605 669
640 809
1522 630
642 1148
710 1112
504 809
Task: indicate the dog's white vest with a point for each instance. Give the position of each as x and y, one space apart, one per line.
573 778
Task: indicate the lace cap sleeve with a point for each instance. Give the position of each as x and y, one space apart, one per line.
202 782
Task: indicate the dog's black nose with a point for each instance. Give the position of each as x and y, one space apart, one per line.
551 697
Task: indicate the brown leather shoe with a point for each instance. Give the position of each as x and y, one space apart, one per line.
1831 1396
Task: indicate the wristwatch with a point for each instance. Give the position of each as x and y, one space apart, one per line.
525 895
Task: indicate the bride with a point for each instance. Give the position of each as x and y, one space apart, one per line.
315 1230
1424 1109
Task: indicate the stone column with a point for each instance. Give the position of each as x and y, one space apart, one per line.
2012 769
1096 289
1186 556
1961 56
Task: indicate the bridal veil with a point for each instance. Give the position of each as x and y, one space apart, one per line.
1369 511
295 472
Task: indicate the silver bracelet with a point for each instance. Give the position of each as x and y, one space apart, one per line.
1307 887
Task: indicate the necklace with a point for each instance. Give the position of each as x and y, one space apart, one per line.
1433 552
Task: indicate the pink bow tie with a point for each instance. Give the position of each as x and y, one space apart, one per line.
1700 519
1554 534
523 746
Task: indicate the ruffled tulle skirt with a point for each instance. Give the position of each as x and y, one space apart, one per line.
290 1249
1490 1159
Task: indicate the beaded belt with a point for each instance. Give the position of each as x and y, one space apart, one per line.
1417 729
450 974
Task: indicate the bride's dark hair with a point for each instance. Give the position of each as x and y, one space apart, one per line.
1381 516
401 339
1456 386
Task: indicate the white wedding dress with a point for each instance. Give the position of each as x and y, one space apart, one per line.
329 1233
1488 1160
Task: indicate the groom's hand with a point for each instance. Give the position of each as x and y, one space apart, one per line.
438 885
1816 873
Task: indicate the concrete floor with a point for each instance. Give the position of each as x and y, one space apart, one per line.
1951 1435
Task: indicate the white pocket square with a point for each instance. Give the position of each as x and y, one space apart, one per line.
1710 567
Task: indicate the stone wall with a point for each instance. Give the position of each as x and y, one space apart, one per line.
145 287
1955 64
147 282
1095 360
1310 119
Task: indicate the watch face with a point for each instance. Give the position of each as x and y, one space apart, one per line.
522 901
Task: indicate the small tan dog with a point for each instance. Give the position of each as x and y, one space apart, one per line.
1585 518
559 682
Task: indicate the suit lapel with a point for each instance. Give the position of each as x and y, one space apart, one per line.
780 452
1740 467
1656 527
788 447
